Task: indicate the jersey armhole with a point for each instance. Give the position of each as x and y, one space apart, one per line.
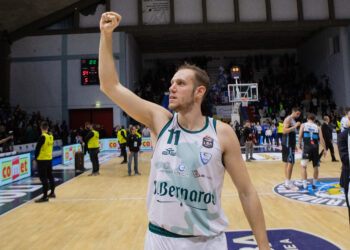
214 124
165 127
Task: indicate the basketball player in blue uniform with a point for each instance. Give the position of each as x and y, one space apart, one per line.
288 145
187 171
310 135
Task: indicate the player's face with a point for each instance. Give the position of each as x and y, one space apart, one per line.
297 114
181 90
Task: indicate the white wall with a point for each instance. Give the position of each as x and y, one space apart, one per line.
315 57
36 86
220 11
127 9
252 10
188 11
92 21
284 10
46 70
315 9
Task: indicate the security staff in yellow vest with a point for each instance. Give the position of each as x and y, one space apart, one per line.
122 139
92 139
279 132
43 157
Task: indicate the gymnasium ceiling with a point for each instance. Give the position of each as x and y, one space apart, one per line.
26 17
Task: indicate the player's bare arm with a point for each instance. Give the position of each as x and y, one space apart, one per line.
148 113
286 126
236 168
301 135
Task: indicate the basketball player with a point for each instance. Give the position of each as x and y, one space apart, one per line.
309 137
187 173
288 145
345 121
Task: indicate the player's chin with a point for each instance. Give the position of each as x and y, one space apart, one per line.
173 107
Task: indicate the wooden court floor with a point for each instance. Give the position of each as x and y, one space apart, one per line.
109 211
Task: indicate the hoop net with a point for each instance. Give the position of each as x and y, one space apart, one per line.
244 102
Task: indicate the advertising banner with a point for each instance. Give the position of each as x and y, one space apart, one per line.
14 168
110 144
69 153
146 144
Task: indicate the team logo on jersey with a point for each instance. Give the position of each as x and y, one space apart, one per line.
196 174
208 142
327 192
181 171
169 151
205 157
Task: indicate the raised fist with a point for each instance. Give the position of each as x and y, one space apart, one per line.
109 21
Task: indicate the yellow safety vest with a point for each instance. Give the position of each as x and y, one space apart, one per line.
120 138
338 126
46 148
93 142
280 128
138 134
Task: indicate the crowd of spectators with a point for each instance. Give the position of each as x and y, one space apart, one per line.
280 82
24 127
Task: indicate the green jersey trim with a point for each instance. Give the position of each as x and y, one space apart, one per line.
195 132
162 232
165 127
214 123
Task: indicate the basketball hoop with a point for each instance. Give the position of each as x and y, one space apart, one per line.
244 102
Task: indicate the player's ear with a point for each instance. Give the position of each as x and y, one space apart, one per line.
200 91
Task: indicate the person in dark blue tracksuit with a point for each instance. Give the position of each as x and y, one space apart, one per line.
344 152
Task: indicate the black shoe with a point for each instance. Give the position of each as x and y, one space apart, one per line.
52 195
252 158
137 173
335 160
123 162
42 199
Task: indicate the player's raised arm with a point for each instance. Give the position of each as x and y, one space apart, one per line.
236 168
148 113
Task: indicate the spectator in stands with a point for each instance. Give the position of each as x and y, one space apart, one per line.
274 133
146 132
6 139
279 132
258 130
268 135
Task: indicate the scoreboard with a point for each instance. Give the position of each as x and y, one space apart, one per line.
89 72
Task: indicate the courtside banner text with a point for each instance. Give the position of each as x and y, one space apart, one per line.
14 168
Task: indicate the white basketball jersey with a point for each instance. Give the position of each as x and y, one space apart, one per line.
185 183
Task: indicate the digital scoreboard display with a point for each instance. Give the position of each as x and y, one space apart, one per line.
89 72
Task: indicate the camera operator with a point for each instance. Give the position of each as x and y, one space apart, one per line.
6 140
